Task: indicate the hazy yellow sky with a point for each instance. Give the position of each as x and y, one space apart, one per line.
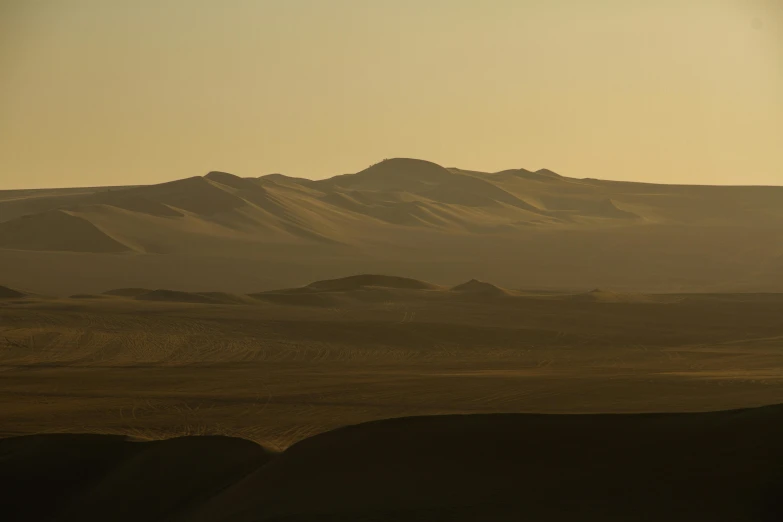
110 92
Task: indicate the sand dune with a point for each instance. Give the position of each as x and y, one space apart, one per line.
533 228
393 398
95 477
517 467
719 466
56 230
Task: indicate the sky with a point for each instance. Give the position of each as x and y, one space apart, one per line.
118 92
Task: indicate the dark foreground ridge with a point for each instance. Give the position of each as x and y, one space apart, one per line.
690 467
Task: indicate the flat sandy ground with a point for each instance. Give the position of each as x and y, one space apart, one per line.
277 373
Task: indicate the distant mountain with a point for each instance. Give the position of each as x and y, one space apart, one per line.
520 227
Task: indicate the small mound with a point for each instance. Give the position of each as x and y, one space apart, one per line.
88 296
370 280
128 292
10 293
476 287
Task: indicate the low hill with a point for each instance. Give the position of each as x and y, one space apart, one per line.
370 280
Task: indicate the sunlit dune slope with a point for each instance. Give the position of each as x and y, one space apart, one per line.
100 477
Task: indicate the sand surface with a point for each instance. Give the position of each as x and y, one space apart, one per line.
280 366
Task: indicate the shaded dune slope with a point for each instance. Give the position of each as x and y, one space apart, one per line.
721 466
690 467
102 477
